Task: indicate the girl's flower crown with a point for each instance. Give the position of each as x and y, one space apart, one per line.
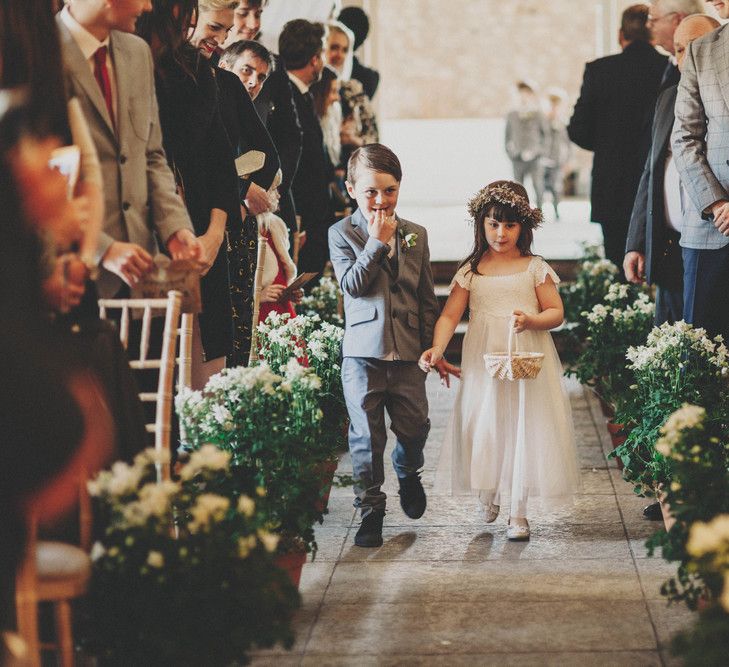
504 192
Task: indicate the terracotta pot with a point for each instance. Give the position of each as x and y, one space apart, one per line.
618 437
326 471
668 518
292 563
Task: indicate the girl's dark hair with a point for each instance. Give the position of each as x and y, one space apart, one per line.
501 212
320 89
30 56
166 33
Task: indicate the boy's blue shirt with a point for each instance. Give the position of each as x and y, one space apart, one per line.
386 311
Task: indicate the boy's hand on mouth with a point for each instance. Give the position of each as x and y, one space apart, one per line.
381 226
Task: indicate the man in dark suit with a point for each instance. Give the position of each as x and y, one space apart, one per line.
300 46
274 104
652 249
618 93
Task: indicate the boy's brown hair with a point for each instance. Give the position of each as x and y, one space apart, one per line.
375 157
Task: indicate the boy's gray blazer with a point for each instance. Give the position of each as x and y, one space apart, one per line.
140 195
700 137
384 310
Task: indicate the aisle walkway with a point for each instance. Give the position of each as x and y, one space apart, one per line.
450 590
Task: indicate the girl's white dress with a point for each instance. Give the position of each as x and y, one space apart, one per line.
506 437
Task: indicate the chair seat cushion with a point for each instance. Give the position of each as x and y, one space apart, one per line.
63 570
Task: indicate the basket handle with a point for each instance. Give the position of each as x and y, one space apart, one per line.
511 336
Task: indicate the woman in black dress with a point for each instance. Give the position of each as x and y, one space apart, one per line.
200 154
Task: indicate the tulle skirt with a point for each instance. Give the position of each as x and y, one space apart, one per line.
509 438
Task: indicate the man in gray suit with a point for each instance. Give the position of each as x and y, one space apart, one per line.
700 143
111 73
382 264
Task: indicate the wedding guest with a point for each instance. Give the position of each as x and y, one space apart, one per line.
105 64
526 138
358 22
652 249
246 133
359 123
325 94
300 46
275 106
618 92
664 18
557 147
698 142
55 411
28 33
251 62
198 149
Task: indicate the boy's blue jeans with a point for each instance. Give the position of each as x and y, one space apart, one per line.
372 386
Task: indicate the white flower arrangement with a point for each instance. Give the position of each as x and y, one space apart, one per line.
686 417
324 302
664 342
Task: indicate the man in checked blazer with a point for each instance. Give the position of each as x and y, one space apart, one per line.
700 143
112 75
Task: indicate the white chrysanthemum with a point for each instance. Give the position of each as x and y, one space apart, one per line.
155 498
124 479
268 540
209 507
155 559
97 551
706 538
246 506
246 545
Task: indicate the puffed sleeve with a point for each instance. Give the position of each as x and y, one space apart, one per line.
540 270
463 277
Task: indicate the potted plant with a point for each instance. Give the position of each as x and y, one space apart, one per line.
594 278
271 425
624 319
678 364
318 345
324 301
184 573
695 445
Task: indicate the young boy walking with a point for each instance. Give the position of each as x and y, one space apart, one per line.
382 264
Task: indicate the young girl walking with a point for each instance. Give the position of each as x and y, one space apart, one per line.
506 438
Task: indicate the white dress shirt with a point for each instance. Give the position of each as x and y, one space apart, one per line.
673 194
89 45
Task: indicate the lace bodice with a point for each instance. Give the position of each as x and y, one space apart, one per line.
500 295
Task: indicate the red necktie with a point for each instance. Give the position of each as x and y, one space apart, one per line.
102 78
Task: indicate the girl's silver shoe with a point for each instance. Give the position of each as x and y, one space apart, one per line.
490 511
517 533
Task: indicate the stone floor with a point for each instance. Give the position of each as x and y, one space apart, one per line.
451 590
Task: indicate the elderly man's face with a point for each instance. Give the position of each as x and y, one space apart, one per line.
662 25
687 32
722 8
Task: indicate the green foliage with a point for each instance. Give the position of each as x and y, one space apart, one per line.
590 287
272 426
677 365
185 572
695 446
318 345
623 320
324 302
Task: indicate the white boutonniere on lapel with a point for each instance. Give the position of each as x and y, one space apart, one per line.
407 239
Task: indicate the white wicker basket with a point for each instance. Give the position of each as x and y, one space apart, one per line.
513 365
